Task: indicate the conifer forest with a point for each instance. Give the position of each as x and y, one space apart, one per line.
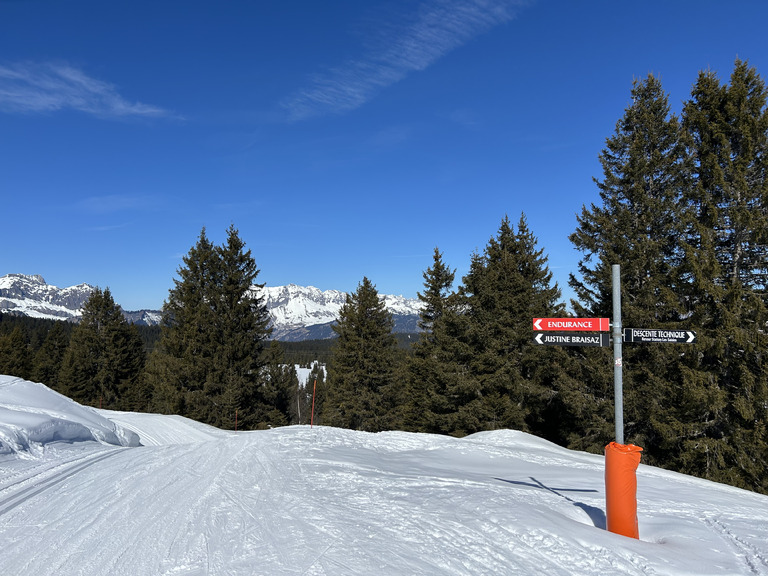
683 207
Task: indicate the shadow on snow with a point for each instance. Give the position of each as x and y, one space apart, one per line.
596 515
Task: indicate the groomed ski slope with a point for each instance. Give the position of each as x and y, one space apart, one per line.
298 501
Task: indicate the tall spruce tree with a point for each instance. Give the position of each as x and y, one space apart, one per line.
209 363
438 281
50 356
15 355
425 380
553 398
639 225
241 326
104 362
361 387
488 331
180 362
724 379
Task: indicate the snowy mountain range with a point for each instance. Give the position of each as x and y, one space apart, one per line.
31 296
298 312
305 312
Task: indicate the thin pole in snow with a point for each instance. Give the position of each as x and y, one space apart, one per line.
312 416
618 393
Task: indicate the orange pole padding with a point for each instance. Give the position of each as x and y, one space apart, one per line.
621 462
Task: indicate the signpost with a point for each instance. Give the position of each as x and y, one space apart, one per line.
567 339
563 334
618 383
572 324
659 335
621 459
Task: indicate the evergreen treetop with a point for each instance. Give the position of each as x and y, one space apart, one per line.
361 375
209 363
104 362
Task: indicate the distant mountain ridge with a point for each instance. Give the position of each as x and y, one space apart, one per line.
306 312
32 296
298 312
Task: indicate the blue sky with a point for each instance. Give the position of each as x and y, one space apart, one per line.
343 138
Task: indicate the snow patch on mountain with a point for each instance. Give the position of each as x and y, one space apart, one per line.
293 306
297 312
304 312
32 296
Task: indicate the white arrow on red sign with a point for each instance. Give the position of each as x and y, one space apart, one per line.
572 324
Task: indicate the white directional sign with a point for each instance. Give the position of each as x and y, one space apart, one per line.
659 335
569 339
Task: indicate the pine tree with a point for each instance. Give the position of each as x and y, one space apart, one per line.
179 365
14 354
553 398
729 128
724 379
104 361
50 356
438 281
485 335
209 363
516 286
639 226
126 350
241 327
361 392
423 400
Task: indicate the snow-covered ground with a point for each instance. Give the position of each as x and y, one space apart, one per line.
303 374
80 496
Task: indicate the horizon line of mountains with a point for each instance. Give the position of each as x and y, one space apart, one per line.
298 312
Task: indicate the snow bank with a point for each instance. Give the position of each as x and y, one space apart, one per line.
165 430
32 415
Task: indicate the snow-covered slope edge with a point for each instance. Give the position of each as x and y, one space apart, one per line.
32 416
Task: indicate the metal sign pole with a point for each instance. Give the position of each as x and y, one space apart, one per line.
618 400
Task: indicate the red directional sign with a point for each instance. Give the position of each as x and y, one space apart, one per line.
575 324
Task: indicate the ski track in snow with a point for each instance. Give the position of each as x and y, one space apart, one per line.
44 481
295 501
755 558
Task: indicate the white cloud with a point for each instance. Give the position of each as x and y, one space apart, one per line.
439 27
47 87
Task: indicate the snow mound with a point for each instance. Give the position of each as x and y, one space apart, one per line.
165 430
32 416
